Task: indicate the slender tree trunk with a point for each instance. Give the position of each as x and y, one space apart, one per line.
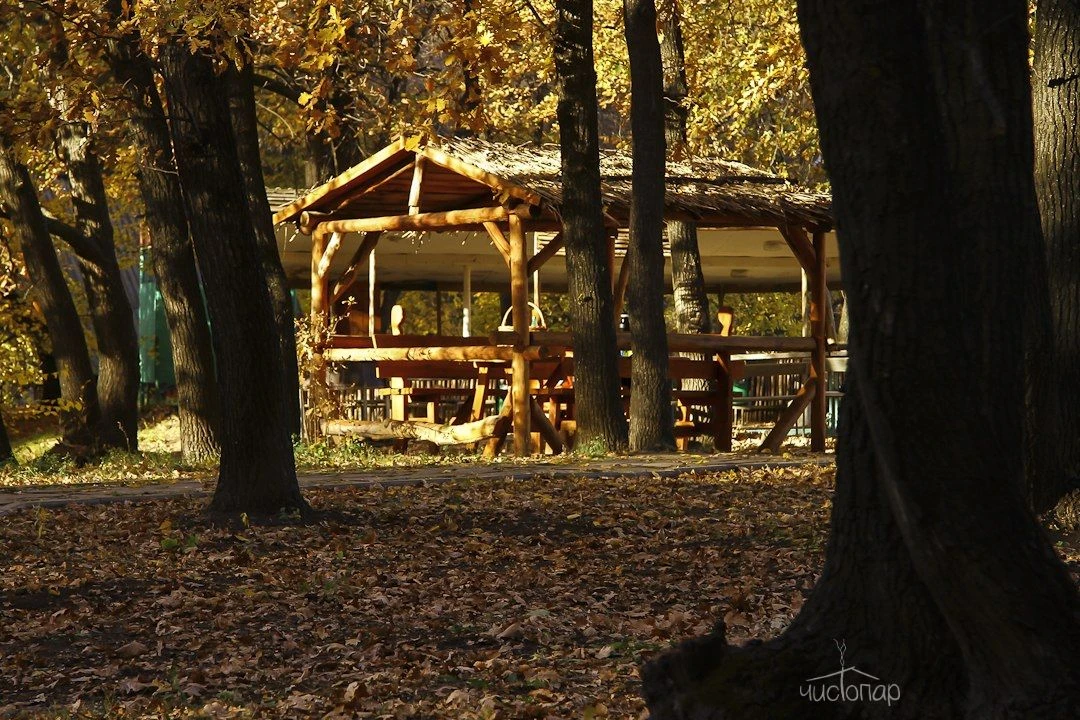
596 374
171 254
687 278
938 93
651 422
79 415
110 309
7 454
257 471
245 127
1055 469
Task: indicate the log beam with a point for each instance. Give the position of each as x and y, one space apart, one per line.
415 430
357 262
800 245
546 253
789 417
545 428
309 220
499 241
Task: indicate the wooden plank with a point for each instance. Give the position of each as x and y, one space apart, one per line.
344 182
546 253
482 353
412 340
417 185
519 298
499 241
427 369
348 341
353 200
503 189
789 417
355 263
819 332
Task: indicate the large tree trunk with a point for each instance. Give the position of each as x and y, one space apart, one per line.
257 471
110 309
245 127
868 577
937 93
171 254
687 278
79 414
652 426
1055 469
596 375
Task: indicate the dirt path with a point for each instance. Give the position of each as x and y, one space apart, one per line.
15 499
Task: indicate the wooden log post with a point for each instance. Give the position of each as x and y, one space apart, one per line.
519 299
722 411
320 309
819 331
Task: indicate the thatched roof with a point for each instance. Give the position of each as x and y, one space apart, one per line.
702 187
466 173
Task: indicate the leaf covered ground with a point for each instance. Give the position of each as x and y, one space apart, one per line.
470 599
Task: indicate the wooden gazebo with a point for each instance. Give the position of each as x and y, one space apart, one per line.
509 193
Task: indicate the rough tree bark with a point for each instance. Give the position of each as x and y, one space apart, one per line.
652 425
171 253
687 278
246 129
596 374
1055 467
110 309
78 394
257 471
957 596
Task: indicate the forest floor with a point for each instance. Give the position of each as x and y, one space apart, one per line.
469 598
465 599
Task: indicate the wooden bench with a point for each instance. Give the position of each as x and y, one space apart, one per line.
553 387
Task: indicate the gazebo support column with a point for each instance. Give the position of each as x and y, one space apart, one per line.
519 303
818 330
320 311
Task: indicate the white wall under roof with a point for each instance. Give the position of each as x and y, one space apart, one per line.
733 259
